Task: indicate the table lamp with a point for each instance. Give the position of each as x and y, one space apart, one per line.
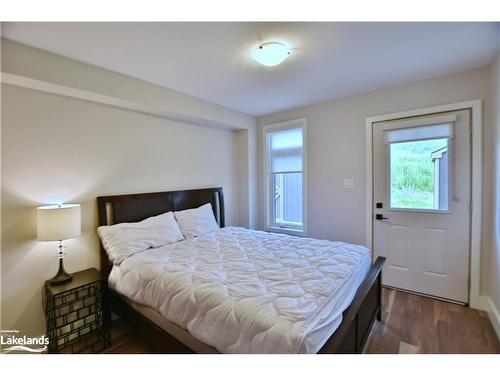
58 223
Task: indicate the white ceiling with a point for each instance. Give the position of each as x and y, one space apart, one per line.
212 60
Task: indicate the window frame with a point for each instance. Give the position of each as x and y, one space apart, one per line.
300 123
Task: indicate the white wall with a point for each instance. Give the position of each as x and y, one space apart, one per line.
493 282
59 149
247 173
336 139
36 64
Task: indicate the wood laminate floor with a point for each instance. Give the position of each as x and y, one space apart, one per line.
416 324
410 324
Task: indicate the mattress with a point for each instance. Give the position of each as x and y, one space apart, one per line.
247 291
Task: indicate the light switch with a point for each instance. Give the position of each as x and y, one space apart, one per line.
348 183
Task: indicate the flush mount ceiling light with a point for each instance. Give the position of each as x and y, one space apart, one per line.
271 53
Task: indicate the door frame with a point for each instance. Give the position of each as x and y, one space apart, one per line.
476 107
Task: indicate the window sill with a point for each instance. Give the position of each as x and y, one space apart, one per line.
291 231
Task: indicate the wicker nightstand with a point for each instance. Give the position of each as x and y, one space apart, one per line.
77 314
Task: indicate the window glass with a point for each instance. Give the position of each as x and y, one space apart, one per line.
286 150
288 199
419 174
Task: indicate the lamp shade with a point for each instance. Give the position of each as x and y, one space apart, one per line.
58 222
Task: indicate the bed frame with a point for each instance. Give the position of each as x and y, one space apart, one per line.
350 336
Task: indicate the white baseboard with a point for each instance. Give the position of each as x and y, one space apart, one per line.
494 316
480 303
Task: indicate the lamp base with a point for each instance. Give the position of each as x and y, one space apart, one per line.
62 277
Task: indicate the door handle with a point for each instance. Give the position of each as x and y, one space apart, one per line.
381 217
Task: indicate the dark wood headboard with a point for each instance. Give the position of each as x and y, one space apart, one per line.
131 208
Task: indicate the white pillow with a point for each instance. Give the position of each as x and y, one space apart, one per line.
125 239
196 221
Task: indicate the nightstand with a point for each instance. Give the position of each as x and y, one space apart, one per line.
77 314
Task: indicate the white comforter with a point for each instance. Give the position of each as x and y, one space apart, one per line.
246 291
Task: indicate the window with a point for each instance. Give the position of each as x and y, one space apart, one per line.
285 203
419 166
419 174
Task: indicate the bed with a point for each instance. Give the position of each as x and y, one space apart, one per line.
236 290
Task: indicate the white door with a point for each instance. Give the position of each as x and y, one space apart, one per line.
421 203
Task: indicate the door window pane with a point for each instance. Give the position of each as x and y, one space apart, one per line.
419 174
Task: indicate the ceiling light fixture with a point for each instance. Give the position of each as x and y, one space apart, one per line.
271 53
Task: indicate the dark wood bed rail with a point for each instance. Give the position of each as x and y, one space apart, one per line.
358 318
